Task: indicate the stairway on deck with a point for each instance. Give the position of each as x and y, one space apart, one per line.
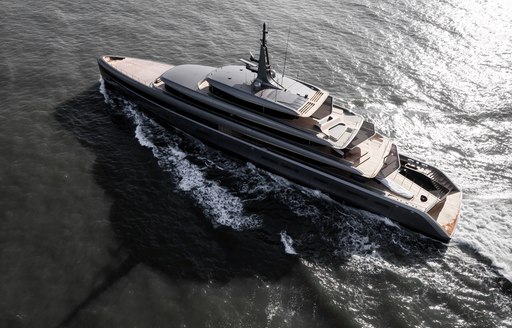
368 156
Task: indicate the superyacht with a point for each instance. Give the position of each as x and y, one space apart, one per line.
295 129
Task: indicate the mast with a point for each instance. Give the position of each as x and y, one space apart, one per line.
265 74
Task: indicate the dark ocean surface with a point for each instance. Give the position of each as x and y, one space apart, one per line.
109 220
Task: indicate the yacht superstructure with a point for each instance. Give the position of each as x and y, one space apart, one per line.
295 129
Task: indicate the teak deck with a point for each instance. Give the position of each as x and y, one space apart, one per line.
144 71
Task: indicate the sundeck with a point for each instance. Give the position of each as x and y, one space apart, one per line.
295 129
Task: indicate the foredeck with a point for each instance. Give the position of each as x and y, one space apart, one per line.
141 70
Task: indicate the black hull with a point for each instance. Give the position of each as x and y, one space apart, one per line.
168 111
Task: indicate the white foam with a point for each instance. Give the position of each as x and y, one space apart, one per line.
376 217
142 138
296 196
288 243
305 202
273 308
103 91
217 202
484 228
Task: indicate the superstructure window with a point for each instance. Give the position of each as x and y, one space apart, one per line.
247 104
260 127
173 91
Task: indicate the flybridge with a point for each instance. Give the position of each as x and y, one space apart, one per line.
256 83
298 99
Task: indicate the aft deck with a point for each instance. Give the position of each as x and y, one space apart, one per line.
445 211
429 199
